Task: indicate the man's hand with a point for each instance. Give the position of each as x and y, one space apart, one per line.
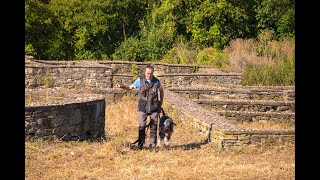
127 88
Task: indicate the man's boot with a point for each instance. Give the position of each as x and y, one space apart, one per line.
153 135
141 138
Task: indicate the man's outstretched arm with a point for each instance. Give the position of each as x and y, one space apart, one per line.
128 88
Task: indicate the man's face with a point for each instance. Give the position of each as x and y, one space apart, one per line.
149 73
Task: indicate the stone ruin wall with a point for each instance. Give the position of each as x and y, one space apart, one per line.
197 79
80 120
224 136
71 121
226 139
105 74
102 78
233 93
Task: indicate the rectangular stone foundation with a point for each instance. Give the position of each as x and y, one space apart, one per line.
225 138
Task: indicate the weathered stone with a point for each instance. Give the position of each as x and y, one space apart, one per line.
57 121
228 137
76 117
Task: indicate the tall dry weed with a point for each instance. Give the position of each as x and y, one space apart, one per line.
242 52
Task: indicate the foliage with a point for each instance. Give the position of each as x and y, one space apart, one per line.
80 29
278 15
215 23
263 61
29 50
270 74
40 28
155 37
38 78
181 53
47 80
264 37
135 71
139 30
212 57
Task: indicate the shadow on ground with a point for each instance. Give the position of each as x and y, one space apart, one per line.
189 146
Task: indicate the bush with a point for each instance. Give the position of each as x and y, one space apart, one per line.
29 50
212 57
181 53
282 74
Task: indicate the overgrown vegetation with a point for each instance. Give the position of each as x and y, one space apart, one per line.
263 61
47 79
135 71
181 31
146 30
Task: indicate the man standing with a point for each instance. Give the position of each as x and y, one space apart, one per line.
149 104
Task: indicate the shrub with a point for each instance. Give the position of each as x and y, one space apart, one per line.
135 71
212 57
181 53
269 74
29 50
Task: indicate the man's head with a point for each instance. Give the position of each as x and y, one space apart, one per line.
149 72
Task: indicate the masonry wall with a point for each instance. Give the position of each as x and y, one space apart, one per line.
194 80
86 120
243 105
258 116
74 121
105 74
70 77
225 139
124 67
224 135
245 93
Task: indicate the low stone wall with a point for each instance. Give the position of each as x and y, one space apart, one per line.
227 139
66 121
123 67
189 80
91 74
245 92
257 116
70 77
86 119
248 105
218 130
124 79
202 119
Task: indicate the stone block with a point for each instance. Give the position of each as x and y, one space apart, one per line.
228 137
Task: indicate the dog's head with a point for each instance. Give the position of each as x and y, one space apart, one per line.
166 126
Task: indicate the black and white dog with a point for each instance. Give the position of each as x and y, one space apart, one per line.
166 126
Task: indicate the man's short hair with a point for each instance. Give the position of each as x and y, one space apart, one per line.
149 67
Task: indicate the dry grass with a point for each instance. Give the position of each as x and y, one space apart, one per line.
110 159
242 52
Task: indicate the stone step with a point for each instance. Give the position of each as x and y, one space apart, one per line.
247 105
257 116
217 129
249 93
